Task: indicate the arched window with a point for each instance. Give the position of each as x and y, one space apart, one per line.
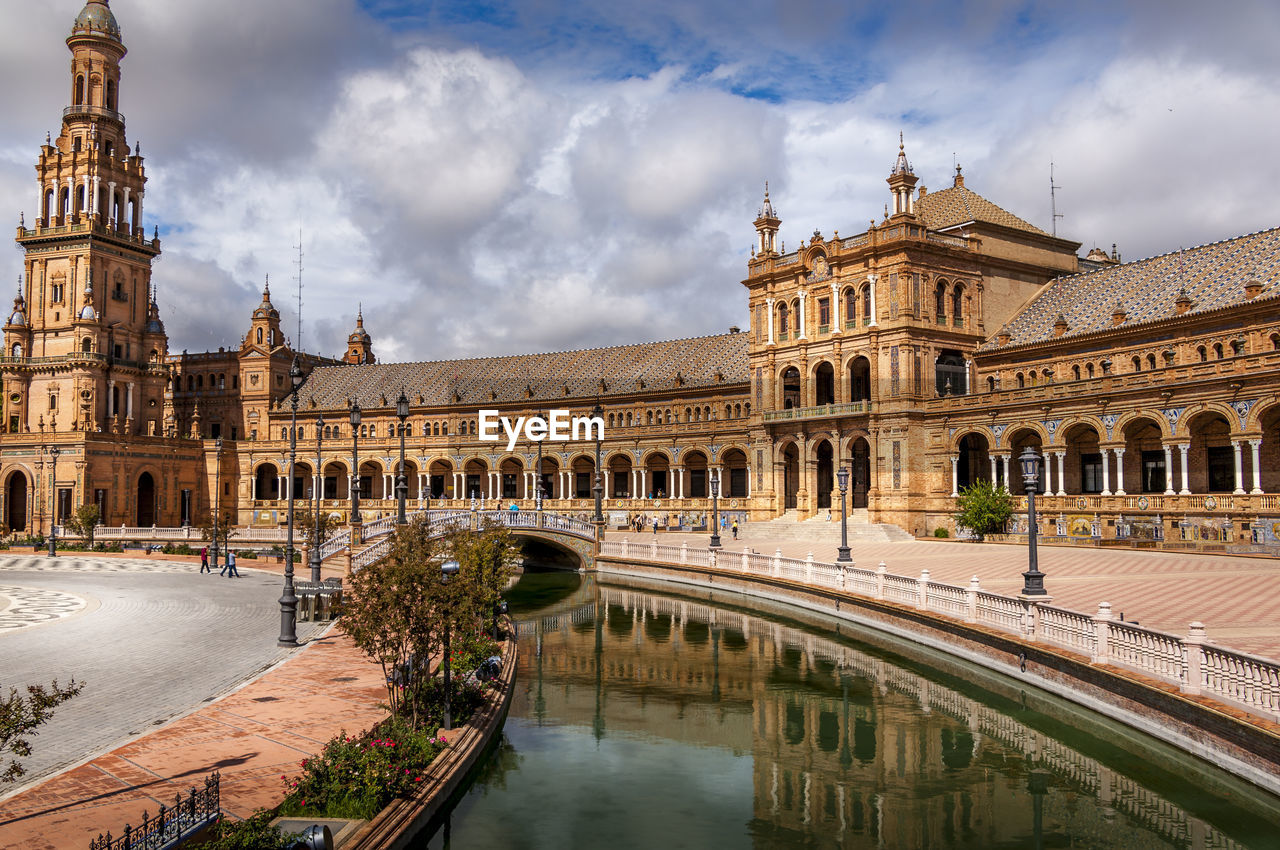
191 383
782 321
850 306
199 382
16 351
728 411
222 381
866 305
1237 347
1151 361
1275 342
1217 351
1089 368
1075 373
111 94
1137 364
1022 381
79 101
991 383
746 411
444 430
1204 355
940 303
259 336
957 306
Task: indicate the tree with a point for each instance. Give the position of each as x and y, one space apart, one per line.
84 522
226 527
984 508
19 717
487 561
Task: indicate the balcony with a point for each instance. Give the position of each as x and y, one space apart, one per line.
853 408
85 109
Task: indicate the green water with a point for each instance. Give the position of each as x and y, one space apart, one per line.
645 716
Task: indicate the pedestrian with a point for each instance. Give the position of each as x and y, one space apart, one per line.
655 526
735 529
204 561
231 564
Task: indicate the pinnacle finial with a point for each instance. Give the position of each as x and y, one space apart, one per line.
266 288
901 143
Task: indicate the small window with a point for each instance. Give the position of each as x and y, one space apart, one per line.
53 401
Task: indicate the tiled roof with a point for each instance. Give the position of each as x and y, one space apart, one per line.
537 378
957 205
1213 276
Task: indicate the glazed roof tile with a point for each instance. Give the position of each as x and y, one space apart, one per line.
957 205
1213 276
526 379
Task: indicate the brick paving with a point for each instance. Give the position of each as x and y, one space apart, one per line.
1236 597
251 736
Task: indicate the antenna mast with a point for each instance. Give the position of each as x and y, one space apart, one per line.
1053 200
298 278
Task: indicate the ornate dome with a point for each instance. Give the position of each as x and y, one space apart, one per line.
87 313
96 17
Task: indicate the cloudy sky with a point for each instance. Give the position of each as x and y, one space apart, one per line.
530 175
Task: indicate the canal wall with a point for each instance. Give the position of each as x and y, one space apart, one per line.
1243 744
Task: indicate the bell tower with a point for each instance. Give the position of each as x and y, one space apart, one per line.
359 343
767 224
89 306
902 184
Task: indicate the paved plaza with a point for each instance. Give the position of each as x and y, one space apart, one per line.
1237 597
150 640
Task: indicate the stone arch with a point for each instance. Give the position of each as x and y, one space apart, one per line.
1223 410
17 502
859 456
824 459
1132 415
266 481
823 376
512 483
335 479
696 473
147 505
1209 431
1261 411
1009 442
960 433
475 478
658 471
858 368
440 478
736 473
789 388
789 456
549 476
1018 438
620 467
972 450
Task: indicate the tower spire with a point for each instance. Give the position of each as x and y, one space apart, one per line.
902 183
767 223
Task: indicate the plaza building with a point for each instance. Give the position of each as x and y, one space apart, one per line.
922 354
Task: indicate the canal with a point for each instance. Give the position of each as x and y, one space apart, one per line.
647 715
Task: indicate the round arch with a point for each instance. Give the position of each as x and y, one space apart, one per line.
824 383
789 455
17 491
266 481
146 502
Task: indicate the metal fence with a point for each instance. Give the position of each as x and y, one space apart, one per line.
172 824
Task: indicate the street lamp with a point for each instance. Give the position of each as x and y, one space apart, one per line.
597 489
402 487
355 478
288 600
319 490
217 494
448 568
54 451
843 552
537 480
1032 579
715 509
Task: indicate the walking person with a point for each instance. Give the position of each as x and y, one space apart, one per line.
204 561
231 564
735 529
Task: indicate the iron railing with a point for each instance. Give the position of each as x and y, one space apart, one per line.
171 825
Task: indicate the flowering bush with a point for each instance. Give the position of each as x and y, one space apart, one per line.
256 833
470 651
357 777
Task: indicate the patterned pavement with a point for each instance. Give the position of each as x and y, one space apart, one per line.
1237 597
150 639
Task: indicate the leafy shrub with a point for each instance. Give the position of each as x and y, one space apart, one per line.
357 778
256 833
984 508
177 549
941 532
470 651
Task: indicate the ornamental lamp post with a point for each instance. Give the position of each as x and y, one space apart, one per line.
842 477
355 478
537 480
1032 579
447 569
217 493
289 600
597 489
715 509
54 451
402 486
319 491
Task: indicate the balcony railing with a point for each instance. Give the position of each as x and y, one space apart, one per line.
853 408
92 111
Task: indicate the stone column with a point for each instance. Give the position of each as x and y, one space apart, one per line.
1048 475
124 207
88 196
836 320
1120 472
1184 448
1237 447
804 296
641 492
871 279
769 304
1106 472
1004 462
1062 476
97 182
1256 449
955 476
994 476
137 212
679 482
111 202
605 494
111 398
1168 470
128 404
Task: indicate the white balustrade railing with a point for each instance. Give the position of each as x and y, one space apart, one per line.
370 554
1196 666
336 543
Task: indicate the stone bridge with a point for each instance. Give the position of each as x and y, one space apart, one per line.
554 539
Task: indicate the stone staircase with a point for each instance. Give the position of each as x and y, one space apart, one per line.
820 532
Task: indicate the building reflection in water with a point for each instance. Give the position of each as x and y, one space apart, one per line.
846 743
